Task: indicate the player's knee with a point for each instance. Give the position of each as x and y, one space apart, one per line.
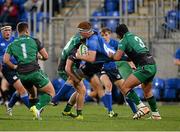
108 86
148 94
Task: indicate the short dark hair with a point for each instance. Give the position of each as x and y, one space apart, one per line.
121 29
22 26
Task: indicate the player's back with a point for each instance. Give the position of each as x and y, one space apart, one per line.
133 44
24 49
72 43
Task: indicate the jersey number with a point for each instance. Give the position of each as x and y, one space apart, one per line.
141 43
23 46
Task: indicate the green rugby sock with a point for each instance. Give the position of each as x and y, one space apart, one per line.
68 107
152 104
133 96
79 112
44 99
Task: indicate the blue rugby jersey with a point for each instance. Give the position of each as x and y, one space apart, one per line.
3 46
98 44
111 65
177 54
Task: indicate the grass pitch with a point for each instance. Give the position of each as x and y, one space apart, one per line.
95 119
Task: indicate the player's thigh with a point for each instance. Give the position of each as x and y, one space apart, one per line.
145 73
10 77
106 81
95 83
39 79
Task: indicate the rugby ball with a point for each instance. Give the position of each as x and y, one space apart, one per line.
83 49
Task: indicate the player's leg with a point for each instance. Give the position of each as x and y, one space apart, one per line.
62 91
91 96
33 99
126 89
21 92
98 87
43 84
131 104
108 94
5 89
147 88
69 105
80 99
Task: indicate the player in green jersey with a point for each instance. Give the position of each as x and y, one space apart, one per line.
25 50
136 50
74 42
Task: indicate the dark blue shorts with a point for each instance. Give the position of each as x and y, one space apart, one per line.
113 74
10 75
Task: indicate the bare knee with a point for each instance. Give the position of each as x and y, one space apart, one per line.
49 89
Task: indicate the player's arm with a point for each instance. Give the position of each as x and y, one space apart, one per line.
120 51
43 55
177 62
89 57
117 56
7 61
69 69
132 65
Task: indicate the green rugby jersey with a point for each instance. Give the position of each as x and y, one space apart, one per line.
136 49
25 49
73 42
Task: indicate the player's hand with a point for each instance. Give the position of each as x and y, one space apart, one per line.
15 67
78 56
132 65
40 57
110 55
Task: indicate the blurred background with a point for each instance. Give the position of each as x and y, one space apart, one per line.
53 22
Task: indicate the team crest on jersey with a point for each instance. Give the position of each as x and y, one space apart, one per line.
103 72
15 77
3 44
118 76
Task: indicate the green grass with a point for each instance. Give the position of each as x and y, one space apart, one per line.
95 118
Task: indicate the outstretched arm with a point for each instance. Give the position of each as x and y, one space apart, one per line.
117 56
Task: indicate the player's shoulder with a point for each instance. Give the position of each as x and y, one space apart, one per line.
178 51
35 39
112 40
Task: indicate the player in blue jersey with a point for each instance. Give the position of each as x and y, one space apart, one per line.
10 74
4 41
177 60
93 64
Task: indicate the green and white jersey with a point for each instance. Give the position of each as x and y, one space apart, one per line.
73 43
136 49
25 49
